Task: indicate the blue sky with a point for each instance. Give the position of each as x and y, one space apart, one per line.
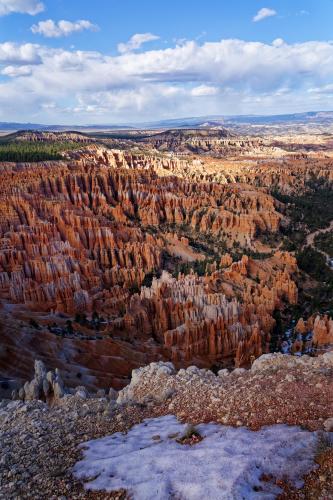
123 61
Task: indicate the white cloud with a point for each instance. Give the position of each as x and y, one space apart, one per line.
48 105
136 41
50 29
325 89
31 7
14 71
140 99
263 14
278 42
229 76
13 53
204 90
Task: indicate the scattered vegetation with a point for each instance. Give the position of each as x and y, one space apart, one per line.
307 212
278 330
324 242
191 436
148 279
319 297
134 289
4 384
238 254
198 266
33 323
211 246
314 264
324 444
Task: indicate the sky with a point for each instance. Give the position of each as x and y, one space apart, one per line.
112 62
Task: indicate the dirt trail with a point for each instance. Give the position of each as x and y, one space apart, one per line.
311 237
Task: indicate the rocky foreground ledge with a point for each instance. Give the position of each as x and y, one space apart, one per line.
40 438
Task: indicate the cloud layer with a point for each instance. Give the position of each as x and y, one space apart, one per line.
229 76
51 29
31 7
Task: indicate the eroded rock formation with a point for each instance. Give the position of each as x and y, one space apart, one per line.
84 234
46 386
68 230
321 328
227 314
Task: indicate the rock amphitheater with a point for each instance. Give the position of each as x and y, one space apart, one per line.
143 290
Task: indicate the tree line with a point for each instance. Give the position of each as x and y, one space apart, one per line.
34 151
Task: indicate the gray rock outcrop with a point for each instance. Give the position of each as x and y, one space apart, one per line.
45 386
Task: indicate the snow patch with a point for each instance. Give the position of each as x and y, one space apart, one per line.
227 464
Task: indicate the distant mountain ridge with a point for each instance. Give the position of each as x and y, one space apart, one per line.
14 126
220 120
320 117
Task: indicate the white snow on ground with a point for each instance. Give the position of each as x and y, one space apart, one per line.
226 465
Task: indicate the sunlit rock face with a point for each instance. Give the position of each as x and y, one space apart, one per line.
227 314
